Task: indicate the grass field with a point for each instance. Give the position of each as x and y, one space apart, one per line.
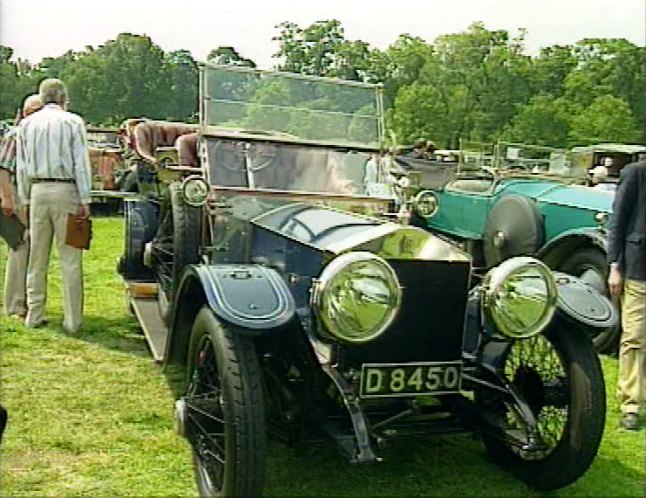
92 416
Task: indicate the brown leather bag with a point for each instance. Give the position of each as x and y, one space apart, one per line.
12 230
79 231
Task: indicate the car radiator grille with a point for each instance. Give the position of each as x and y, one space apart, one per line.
429 326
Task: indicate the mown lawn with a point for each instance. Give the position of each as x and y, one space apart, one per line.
92 416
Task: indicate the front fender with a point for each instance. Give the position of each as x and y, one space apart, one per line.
557 249
252 299
583 305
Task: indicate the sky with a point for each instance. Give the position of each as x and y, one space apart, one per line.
42 28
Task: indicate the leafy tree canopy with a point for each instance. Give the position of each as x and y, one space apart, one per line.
478 85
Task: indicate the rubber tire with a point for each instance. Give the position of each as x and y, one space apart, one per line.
186 244
186 234
243 407
518 217
587 407
608 340
140 226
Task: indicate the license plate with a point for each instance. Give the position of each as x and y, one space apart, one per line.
410 379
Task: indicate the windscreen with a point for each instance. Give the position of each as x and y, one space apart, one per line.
296 107
297 168
505 157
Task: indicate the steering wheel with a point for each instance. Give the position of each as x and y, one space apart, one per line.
260 155
230 155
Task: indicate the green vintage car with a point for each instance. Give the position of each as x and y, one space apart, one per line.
515 199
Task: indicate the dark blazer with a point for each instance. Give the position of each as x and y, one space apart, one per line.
627 226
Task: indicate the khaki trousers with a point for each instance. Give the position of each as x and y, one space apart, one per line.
50 204
15 296
632 349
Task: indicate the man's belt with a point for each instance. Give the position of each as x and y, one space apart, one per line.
52 180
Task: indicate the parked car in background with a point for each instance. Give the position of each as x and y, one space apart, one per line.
106 163
432 170
611 156
283 298
146 145
516 199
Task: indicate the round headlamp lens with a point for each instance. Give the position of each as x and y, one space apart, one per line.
195 191
425 203
519 297
356 298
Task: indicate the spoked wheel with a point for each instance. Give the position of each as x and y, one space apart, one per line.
559 376
222 413
176 245
589 264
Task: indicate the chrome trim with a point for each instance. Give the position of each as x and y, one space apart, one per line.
332 271
363 237
301 195
191 182
426 196
494 291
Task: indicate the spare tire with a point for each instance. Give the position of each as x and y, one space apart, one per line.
140 222
514 227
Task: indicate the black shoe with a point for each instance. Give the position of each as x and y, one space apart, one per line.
630 422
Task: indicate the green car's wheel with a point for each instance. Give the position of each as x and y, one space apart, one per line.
222 412
559 375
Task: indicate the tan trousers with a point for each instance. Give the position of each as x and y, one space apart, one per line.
632 349
15 297
50 204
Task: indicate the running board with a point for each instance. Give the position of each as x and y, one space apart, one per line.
147 312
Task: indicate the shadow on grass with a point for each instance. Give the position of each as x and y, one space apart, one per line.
424 466
120 333
427 466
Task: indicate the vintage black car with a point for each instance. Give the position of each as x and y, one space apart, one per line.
284 296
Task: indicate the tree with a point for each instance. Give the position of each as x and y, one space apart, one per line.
550 69
225 55
400 64
542 121
477 79
608 67
607 119
18 80
122 78
182 74
421 113
322 50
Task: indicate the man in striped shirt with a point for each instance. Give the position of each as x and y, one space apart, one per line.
15 301
54 180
